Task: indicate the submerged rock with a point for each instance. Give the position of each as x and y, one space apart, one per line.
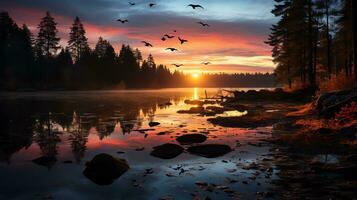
210 150
47 161
167 151
104 169
191 138
152 124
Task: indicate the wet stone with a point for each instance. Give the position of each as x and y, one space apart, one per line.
104 169
191 138
167 151
152 124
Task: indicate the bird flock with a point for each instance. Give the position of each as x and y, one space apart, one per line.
168 36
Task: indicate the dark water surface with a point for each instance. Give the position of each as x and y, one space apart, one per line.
76 126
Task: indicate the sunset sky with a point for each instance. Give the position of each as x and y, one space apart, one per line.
233 43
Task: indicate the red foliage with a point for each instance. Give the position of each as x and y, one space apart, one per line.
347 113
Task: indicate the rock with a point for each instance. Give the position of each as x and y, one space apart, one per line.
162 133
194 102
191 138
104 169
152 124
47 161
216 109
140 149
167 151
193 110
328 104
210 150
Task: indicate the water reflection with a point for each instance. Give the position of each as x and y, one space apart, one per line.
62 130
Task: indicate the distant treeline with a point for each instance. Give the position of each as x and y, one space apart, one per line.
315 42
28 62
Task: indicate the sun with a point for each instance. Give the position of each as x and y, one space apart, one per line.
195 75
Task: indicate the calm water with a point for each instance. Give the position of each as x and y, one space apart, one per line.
76 126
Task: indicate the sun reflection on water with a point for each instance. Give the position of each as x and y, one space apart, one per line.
195 94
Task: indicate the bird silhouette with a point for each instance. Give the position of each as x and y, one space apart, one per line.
169 36
182 40
206 63
123 21
194 6
152 5
203 24
175 31
131 3
147 44
172 49
163 39
178 65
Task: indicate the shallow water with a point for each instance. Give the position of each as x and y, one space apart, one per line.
76 126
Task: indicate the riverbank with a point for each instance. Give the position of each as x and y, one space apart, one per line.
314 151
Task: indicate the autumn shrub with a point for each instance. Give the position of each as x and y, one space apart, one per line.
339 82
347 113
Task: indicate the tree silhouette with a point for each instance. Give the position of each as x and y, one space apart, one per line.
78 42
47 40
100 68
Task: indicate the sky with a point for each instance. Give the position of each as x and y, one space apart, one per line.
233 43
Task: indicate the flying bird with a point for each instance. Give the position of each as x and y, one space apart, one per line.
194 6
182 40
163 39
172 49
123 21
152 5
147 44
178 65
175 31
131 3
203 24
206 63
169 36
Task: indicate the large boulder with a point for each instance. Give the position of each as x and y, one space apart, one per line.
104 169
167 151
191 138
328 104
210 150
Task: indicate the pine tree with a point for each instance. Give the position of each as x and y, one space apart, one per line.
354 12
47 40
325 8
78 42
101 47
138 56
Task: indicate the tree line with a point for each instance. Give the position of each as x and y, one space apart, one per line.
314 41
39 62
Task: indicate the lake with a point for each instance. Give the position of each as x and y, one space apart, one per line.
73 127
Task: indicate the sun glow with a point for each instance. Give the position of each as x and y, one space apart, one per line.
195 75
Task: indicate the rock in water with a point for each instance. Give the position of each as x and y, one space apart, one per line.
47 161
210 150
152 124
191 138
167 151
104 169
